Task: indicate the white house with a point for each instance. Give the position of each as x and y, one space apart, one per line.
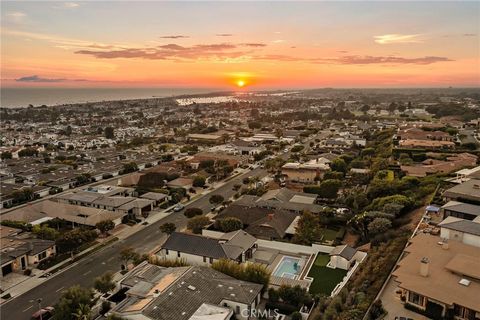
465 231
342 257
201 250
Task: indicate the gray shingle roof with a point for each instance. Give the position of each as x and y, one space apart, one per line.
462 207
344 251
227 248
197 286
467 226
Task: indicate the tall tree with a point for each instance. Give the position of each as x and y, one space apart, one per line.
71 301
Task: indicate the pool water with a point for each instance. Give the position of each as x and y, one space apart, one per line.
288 267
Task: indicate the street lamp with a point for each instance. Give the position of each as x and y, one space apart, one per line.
39 301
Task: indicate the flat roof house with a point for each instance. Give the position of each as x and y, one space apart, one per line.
469 192
185 293
440 278
460 210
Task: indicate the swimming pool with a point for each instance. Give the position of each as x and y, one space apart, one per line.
288 267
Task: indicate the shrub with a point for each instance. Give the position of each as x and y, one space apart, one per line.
252 272
167 263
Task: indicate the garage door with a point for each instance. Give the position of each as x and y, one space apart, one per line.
7 269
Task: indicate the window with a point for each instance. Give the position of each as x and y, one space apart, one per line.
415 298
166 252
211 260
178 254
237 309
464 313
204 259
42 255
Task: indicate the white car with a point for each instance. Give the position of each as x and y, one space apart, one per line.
178 207
285 150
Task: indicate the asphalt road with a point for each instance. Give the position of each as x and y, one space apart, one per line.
86 270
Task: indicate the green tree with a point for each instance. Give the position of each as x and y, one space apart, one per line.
127 255
6 155
198 181
45 232
104 226
129 167
192 212
73 239
329 188
109 133
68 130
168 228
216 199
196 224
71 301
379 225
307 229
229 224
339 165
104 283
83 312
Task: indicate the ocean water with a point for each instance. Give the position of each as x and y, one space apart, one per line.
23 97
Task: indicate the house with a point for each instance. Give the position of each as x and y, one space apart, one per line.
283 199
468 191
185 183
460 210
200 250
465 231
262 223
307 172
426 144
342 257
205 138
115 200
431 166
19 253
158 197
246 147
48 209
185 293
439 278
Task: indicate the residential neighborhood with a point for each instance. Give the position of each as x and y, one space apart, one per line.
304 205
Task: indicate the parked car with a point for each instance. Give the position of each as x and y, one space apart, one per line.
178 207
44 314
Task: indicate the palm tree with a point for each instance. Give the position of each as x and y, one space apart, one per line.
84 312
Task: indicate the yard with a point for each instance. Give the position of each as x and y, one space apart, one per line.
328 234
325 279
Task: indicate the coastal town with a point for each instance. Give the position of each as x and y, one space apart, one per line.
309 204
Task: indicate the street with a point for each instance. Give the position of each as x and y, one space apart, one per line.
106 259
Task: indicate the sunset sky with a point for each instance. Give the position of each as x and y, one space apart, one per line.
217 44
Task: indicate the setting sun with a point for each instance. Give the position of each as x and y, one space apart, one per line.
240 83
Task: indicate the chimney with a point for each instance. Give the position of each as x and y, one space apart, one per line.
424 266
445 244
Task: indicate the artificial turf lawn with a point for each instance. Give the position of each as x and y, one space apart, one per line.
325 279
